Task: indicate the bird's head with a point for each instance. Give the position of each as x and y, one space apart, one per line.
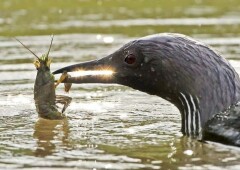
175 67
138 64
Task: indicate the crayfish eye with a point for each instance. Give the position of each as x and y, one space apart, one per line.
130 59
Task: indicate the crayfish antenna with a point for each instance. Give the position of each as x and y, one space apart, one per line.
50 46
27 48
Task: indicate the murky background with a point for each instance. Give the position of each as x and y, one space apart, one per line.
108 126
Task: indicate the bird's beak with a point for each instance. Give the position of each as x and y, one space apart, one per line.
96 71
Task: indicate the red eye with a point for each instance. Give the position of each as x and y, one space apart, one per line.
130 59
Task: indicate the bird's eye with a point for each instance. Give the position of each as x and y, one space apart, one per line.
130 59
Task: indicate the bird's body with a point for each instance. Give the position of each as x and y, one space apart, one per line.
189 74
224 127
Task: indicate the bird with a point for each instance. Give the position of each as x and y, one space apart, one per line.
186 72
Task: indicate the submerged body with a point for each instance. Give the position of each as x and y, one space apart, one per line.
186 72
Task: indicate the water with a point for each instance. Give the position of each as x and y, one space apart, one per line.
108 126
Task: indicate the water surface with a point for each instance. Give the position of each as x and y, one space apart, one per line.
108 126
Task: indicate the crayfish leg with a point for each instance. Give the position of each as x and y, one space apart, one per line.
64 76
67 86
61 79
65 100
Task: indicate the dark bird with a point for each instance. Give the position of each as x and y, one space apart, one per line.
189 74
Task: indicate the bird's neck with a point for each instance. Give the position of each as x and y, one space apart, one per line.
200 88
190 113
196 109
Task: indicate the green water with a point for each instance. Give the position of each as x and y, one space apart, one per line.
37 17
108 126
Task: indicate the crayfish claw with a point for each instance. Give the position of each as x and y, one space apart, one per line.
61 79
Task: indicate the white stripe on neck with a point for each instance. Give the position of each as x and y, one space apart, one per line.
188 115
194 116
199 122
184 117
191 116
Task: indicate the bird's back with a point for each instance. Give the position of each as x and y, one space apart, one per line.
224 127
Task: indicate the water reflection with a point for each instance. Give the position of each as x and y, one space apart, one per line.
190 153
183 152
50 135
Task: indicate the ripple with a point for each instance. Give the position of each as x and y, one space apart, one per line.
150 22
108 126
